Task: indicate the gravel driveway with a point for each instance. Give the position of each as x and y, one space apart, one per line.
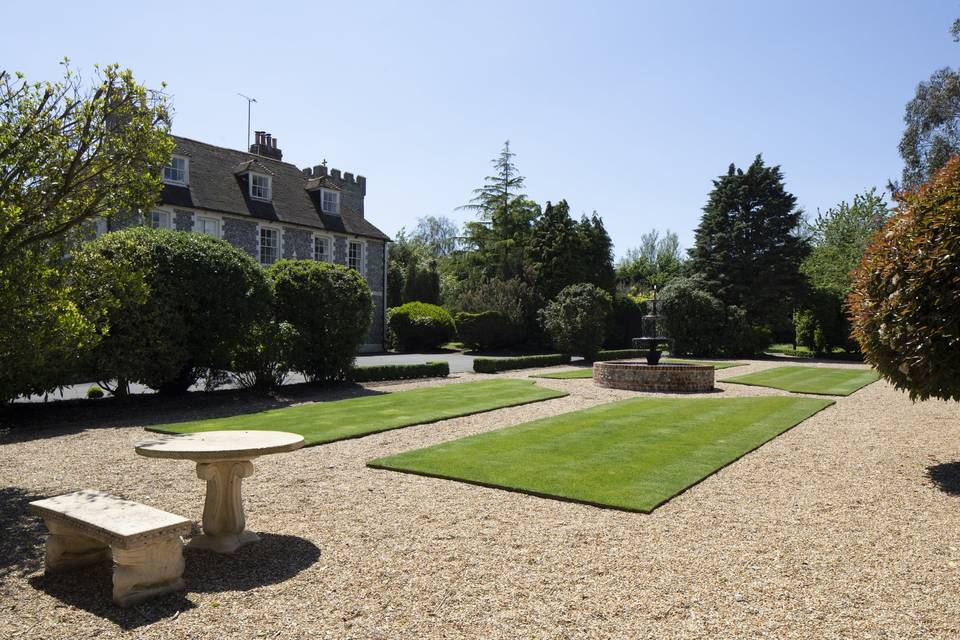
843 527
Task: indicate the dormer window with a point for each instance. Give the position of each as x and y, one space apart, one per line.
330 201
176 171
260 186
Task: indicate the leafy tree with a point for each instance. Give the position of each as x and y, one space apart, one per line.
905 299
439 235
747 245
563 251
68 154
839 237
576 320
653 263
422 284
932 133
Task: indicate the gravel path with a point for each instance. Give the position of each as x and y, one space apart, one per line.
843 527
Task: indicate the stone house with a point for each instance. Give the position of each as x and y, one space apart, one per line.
273 210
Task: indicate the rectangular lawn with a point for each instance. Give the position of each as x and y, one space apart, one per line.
829 381
322 422
634 454
588 372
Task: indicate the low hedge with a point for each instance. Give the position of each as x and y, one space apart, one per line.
376 373
493 365
620 354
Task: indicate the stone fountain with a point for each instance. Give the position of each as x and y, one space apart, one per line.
672 377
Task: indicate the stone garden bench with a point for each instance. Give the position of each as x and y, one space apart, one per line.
145 544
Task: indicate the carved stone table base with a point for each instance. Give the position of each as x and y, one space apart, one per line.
223 519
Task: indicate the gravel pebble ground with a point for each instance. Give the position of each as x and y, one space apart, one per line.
843 527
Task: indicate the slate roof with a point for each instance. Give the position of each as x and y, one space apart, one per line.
215 186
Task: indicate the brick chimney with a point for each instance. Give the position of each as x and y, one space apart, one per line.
265 145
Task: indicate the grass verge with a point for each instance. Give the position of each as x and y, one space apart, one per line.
828 381
322 422
633 455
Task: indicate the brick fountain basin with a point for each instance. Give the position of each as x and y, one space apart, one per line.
640 376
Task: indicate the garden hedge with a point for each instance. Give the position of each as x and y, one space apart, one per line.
487 330
375 373
493 365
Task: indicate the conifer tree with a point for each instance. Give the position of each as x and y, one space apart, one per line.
747 246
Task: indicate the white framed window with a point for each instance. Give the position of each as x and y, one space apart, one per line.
260 186
209 226
321 249
329 201
269 245
161 220
355 256
176 171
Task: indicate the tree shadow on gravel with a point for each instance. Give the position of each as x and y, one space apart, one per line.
23 422
22 537
274 559
946 476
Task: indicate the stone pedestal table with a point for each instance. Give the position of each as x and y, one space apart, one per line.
223 459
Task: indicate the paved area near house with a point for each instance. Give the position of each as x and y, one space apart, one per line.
844 526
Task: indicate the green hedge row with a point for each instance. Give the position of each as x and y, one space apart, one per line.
376 373
620 354
493 365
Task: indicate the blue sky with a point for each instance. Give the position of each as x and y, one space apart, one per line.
626 108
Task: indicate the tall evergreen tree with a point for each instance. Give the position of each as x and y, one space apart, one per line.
563 251
504 216
747 246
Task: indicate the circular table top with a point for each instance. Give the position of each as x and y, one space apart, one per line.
220 445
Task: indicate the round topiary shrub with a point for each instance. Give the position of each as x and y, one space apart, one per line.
576 320
418 325
94 392
185 300
487 330
329 308
693 317
905 301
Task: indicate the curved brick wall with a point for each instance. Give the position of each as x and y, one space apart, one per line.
639 376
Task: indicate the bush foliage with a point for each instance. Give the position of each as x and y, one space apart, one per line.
417 325
487 330
905 302
625 322
493 365
202 296
329 308
576 320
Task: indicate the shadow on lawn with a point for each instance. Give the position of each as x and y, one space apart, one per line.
33 421
946 476
274 559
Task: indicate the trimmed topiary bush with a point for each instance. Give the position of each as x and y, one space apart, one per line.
693 317
198 299
418 325
487 330
95 392
329 308
493 365
905 301
576 320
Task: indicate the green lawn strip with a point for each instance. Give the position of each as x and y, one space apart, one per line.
633 455
830 381
588 371
322 422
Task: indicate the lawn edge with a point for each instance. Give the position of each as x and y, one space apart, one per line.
802 393
373 464
558 395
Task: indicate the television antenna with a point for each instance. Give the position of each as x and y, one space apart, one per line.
250 101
